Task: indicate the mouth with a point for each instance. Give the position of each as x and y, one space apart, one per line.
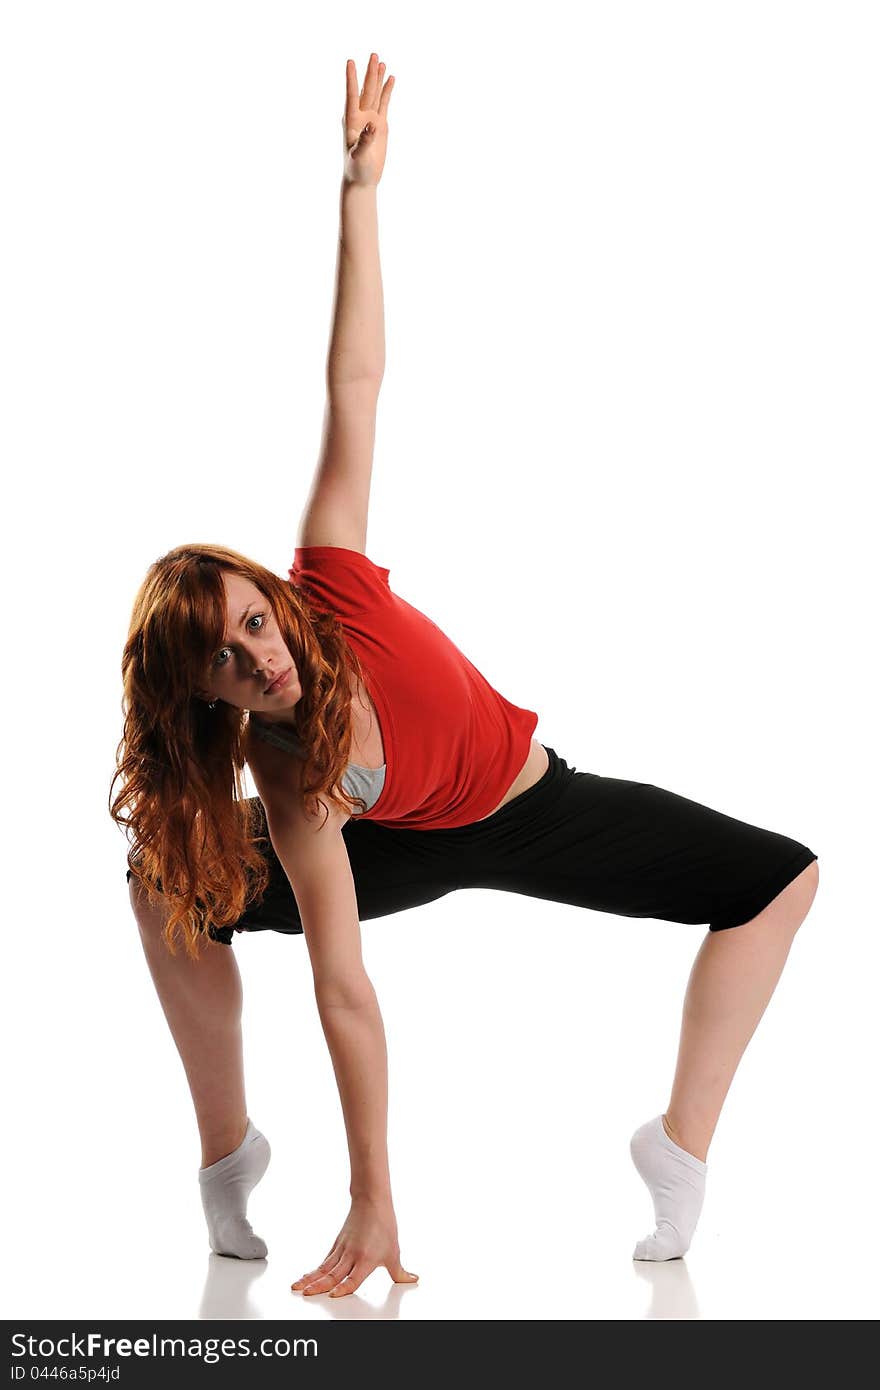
278 683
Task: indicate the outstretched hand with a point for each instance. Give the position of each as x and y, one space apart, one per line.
367 1240
366 122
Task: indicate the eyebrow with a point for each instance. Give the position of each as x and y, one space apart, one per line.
246 611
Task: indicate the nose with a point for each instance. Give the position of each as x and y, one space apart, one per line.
252 665
254 660
265 672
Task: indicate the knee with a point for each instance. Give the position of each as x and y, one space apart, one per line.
810 877
802 890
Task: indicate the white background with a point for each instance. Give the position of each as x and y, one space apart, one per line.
626 441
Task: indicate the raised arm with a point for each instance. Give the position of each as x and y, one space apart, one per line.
315 859
338 503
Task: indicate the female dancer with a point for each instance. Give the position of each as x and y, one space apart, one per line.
390 773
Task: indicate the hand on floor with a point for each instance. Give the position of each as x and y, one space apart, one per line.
367 1240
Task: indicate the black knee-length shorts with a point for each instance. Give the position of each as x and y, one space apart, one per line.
604 843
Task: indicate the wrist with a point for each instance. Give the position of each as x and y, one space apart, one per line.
372 1194
350 185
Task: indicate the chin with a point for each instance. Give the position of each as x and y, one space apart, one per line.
286 700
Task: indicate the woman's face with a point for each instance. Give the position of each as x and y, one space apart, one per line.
253 655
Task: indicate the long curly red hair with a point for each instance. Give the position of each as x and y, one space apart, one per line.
194 836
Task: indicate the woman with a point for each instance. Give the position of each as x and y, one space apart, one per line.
389 773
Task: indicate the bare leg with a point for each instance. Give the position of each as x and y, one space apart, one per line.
731 983
202 1002
730 986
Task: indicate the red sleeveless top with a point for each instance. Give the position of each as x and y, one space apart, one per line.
453 744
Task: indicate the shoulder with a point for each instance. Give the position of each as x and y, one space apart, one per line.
277 776
345 580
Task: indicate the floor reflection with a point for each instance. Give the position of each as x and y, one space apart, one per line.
672 1293
228 1285
353 1308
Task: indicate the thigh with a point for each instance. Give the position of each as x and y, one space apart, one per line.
633 849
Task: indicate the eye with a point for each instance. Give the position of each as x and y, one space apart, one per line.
251 619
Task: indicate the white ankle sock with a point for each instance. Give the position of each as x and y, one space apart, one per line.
225 1187
676 1181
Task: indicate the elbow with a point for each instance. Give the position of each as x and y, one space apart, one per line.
353 992
360 386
